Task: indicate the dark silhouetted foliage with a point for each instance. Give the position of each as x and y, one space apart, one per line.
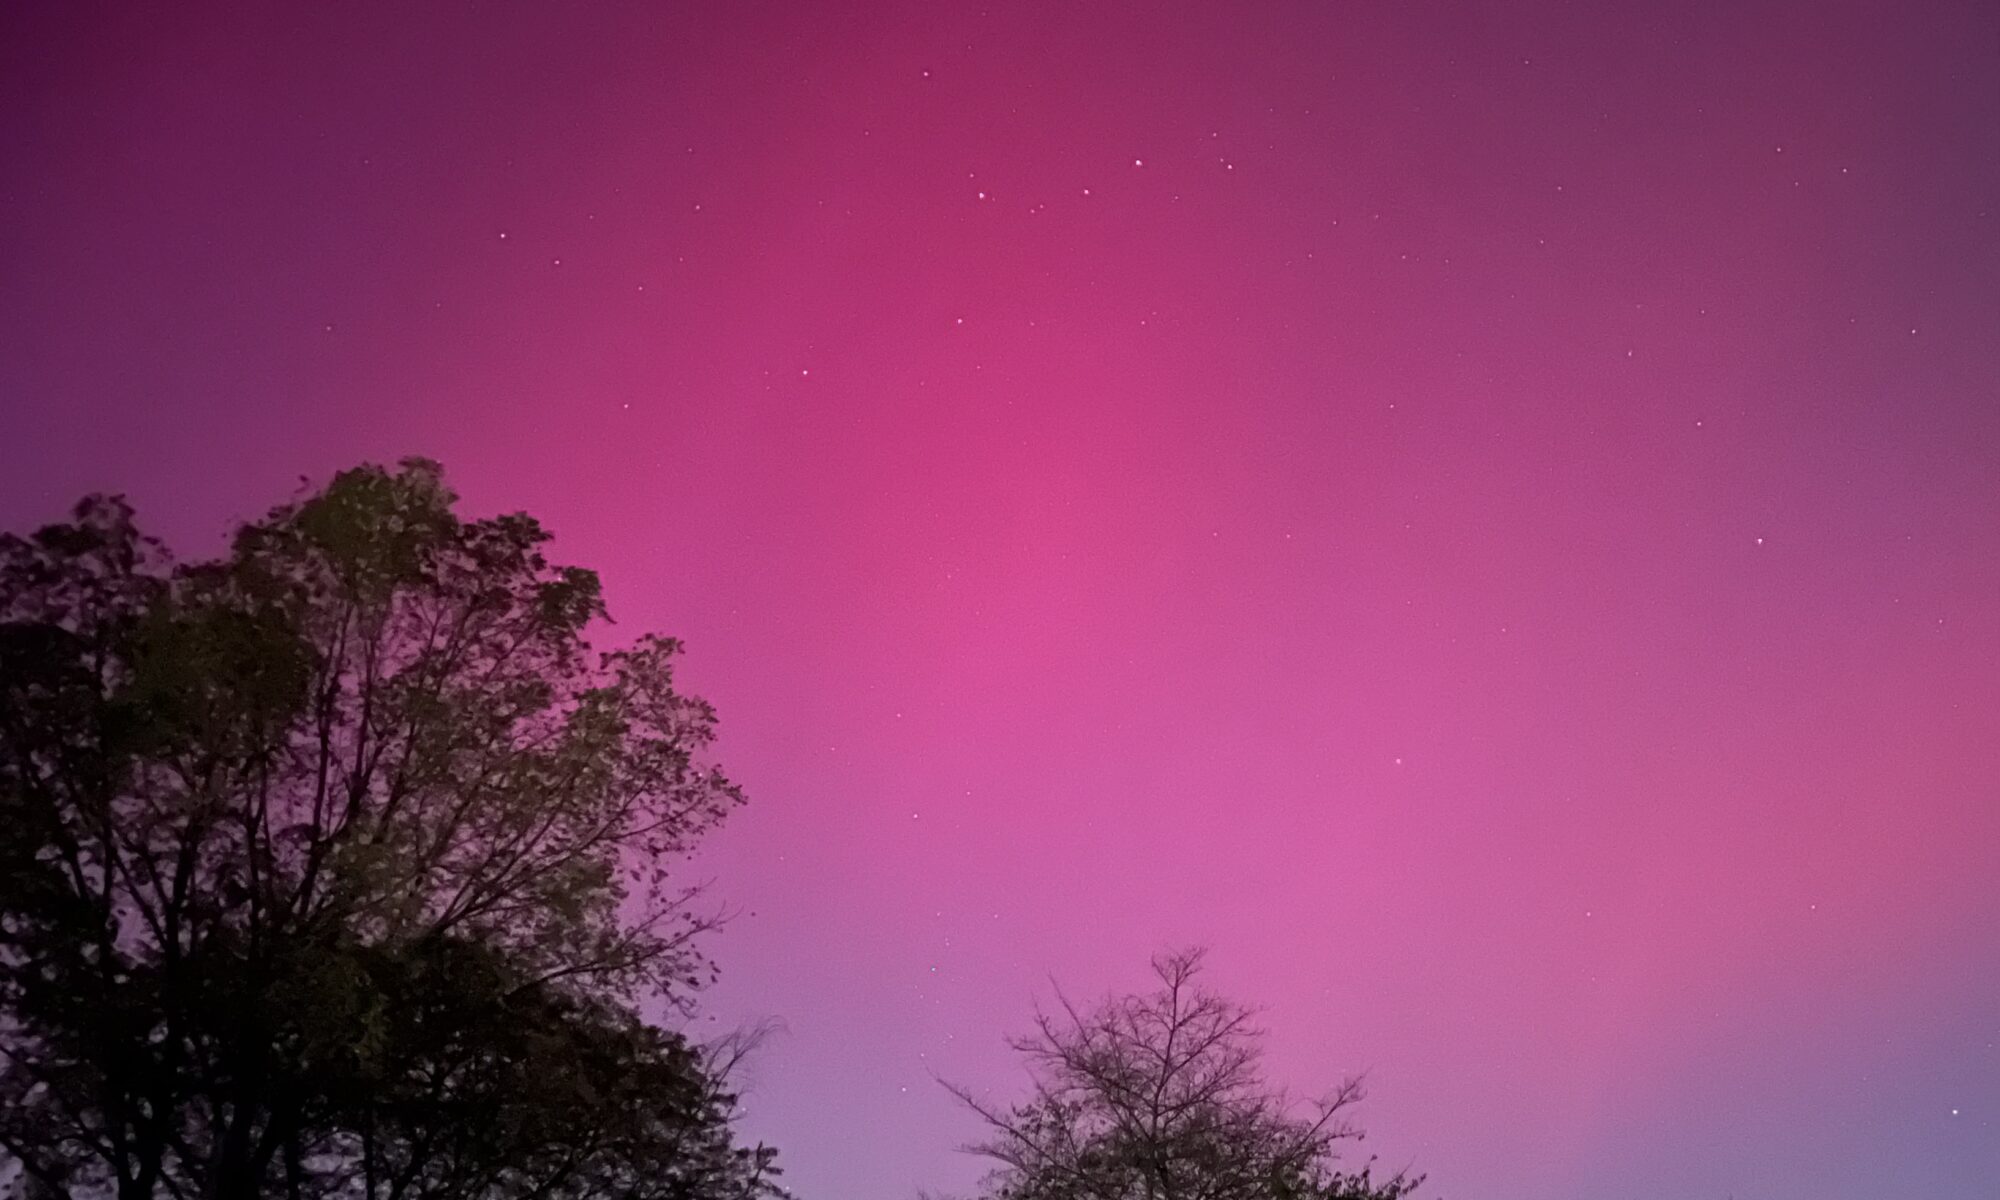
339 866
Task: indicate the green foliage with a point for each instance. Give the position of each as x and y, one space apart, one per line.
341 866
1161 1097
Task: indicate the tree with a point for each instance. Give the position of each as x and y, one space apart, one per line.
342 866
1161 1097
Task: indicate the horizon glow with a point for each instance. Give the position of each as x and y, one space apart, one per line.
1483 516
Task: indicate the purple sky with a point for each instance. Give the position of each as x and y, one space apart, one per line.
1483 514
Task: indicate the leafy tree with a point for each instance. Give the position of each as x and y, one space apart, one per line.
1161 1097
341 866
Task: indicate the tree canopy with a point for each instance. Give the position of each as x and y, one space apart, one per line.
1161 1096
344 865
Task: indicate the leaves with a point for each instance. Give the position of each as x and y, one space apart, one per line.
333 843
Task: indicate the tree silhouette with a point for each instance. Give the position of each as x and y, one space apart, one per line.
341 865
1161 1097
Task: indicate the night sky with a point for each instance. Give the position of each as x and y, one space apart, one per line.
1485 515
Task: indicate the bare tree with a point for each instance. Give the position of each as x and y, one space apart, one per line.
1162 1097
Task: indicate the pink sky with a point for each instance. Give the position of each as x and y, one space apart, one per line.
1484 515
